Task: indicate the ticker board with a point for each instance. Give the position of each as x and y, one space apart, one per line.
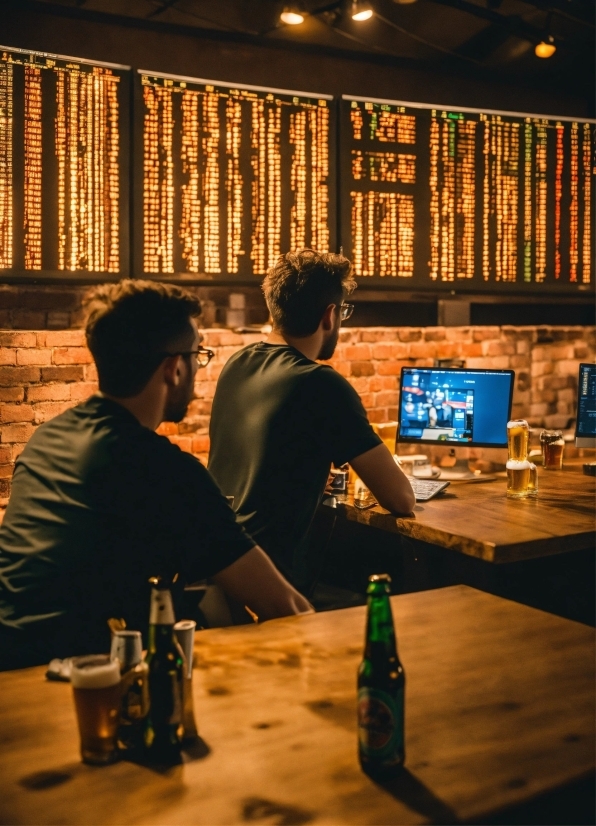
229 177
447 198
64 180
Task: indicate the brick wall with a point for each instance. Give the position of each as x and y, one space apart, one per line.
44 372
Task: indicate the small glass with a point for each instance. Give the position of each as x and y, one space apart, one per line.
96 688
518 478
533 481
552 444
518 434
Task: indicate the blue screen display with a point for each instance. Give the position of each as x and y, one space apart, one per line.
586 401
470 407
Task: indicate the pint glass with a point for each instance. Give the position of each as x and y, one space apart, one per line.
96 687
518 478
518 433
533 482
552 444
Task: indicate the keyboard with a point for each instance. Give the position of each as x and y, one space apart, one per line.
425 489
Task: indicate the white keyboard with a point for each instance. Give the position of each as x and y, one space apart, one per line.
425 489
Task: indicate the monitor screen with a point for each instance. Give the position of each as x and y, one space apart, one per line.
460 407
585 428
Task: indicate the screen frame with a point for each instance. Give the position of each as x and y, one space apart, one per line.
405 440
583 441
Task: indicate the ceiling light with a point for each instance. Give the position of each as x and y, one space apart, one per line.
292 15
361 10
546 48
404 2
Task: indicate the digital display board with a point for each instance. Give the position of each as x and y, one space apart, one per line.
459 198
64 180
229 177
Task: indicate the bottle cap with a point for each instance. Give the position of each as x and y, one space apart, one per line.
379 583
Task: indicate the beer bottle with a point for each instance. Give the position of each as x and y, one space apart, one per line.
381 684
165 662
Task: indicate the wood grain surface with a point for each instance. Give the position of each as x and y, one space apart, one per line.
477 519
499 708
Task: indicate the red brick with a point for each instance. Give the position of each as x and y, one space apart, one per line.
368 400
28 320
90 372
44 299
485 333
47 410
34 356
362 368
434 334
468 349
5 454
16 413
71 355
48 393
386 398
378 415
357 352
410 334
201 444
458 334
6 471
342 367
360 384
499 348
63 338
10 339
15 376
167 429
61 374
12 394
16 450
389 368
8 355
449 349
82 390
5 486
21 432
423 349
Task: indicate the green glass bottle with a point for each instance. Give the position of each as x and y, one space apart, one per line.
165 662
381 688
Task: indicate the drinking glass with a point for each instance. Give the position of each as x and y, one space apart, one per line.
96 688
518 478
552 444
518 433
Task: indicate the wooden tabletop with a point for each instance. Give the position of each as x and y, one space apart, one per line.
499 709
477 519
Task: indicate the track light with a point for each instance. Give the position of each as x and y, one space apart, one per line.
293 14
546 48
361 10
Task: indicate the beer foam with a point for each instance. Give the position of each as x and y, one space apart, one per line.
559 442
94 671
516 464
517 423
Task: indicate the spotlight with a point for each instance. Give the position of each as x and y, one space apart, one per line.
361 10
546 48
292 14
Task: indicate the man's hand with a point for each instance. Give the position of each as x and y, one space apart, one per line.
386 481
254 581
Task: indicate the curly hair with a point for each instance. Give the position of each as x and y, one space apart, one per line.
300 287
130 328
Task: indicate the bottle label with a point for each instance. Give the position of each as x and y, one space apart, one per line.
162 610
381 722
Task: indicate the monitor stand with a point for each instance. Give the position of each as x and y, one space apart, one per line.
459 470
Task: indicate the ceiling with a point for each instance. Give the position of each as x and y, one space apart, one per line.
485 36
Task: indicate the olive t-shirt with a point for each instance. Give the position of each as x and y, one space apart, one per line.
278 422
100 503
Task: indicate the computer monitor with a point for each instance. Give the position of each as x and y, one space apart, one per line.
585 426
455 406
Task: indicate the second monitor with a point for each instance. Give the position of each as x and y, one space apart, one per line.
454 406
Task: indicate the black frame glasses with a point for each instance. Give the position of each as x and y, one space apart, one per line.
345 310
202 355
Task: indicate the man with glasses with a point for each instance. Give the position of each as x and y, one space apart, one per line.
100 502
280 419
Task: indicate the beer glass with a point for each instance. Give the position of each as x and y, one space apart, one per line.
552 444
518 433
518 478
533 482
96 687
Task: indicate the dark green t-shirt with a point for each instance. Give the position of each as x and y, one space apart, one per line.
278 422
100 503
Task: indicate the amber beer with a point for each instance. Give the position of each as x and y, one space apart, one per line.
518 433
552 444
518 478
96 688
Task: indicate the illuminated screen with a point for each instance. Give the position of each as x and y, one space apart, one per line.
63 164
230 177
457 407
586 402
440 198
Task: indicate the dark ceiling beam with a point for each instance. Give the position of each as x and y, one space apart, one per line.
513 23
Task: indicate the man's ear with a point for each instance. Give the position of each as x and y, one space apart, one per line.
327 320
171 370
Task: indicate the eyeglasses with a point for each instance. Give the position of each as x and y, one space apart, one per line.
345 311
202 355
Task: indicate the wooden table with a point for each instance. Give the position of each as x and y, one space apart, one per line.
477 519
499 708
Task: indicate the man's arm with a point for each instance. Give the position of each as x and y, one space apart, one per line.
254 581
386 481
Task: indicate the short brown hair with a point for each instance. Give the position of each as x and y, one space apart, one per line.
131 326
300 287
